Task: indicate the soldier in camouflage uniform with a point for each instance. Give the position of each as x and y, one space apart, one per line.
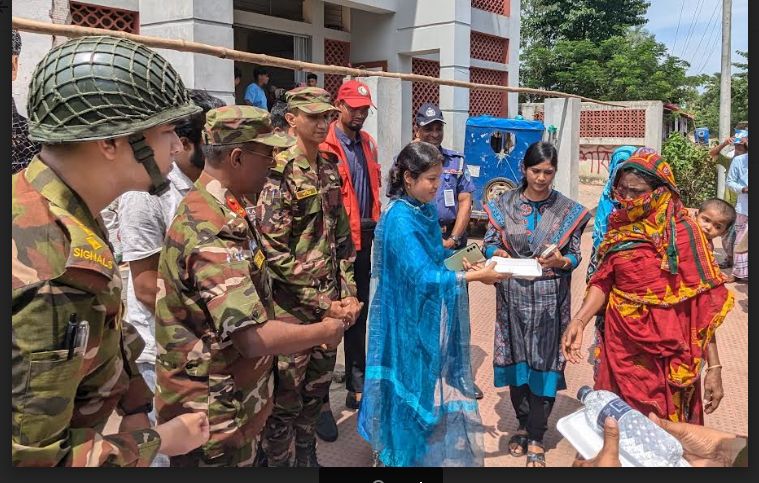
22 149
215 330
307 240
72 361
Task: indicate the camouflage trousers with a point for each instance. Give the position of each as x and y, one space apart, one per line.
302 381
240 458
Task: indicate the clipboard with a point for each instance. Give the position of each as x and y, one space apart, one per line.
471 253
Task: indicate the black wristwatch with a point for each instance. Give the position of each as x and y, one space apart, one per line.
456 239
145 408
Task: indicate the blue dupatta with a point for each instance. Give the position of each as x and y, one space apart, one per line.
418 406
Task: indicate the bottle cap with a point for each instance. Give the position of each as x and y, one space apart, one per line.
582 392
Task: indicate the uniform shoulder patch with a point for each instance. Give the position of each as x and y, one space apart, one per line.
329 156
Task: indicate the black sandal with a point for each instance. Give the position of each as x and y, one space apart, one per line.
518 444
535 460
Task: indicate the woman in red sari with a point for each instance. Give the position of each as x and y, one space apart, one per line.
663 294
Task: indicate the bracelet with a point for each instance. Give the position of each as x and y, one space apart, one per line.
715 366
577 318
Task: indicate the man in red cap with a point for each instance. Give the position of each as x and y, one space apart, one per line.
357 153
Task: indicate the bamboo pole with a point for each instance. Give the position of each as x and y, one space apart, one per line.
181 45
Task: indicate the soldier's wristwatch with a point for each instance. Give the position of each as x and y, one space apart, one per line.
456 239
145 408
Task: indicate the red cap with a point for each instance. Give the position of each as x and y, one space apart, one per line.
356 94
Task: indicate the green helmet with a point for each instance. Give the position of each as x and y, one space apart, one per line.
102 87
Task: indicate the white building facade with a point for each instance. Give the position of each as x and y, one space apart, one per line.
469 40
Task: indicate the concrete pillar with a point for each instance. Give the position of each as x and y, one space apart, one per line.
199 21
313 13
383 124
407 101
514 19
454 65
565 115
654 125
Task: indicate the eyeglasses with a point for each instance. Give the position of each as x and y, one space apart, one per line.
255 153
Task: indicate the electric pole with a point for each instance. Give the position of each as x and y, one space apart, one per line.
725 75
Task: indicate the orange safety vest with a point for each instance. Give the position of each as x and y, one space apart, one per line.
350 201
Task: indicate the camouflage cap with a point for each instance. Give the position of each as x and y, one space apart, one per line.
311 100
243 124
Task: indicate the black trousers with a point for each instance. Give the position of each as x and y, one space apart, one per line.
354 343
354 339
532 411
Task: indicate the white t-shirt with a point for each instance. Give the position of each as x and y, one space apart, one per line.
143 222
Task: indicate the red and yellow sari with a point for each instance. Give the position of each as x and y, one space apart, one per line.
666 299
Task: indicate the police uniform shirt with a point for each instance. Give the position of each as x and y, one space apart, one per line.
454 180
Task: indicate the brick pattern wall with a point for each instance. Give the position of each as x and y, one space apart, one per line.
423 91
501 7
116 19
481 102
489 47
615 123
336 52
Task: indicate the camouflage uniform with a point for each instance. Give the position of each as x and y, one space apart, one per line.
63 265
213 281
307 240
66 384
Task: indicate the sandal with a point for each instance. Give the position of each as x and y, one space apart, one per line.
535 459
518 444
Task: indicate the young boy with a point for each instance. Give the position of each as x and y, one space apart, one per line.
715 217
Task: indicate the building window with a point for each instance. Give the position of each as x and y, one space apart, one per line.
422 92
333 16
489 47
501 7
86 15
494 103
289 9
335 53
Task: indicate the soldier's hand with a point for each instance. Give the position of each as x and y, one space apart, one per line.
448 243
337 311
134 422
183 433
334 329
352 307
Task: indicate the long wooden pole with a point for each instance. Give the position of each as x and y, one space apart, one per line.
180 45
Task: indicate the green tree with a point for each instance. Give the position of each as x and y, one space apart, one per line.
633 66
706 104
597 48
695 172
548 21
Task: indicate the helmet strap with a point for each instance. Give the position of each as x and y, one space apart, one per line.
143 153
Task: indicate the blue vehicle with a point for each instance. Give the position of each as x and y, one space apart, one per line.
494 149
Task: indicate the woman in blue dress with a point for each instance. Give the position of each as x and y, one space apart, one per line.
419 407
531 315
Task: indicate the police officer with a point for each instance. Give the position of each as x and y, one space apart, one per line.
307 240
105 128
216 304
454 196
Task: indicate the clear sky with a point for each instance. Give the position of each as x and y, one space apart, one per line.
692 30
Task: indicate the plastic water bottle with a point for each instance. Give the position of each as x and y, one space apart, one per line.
643 442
